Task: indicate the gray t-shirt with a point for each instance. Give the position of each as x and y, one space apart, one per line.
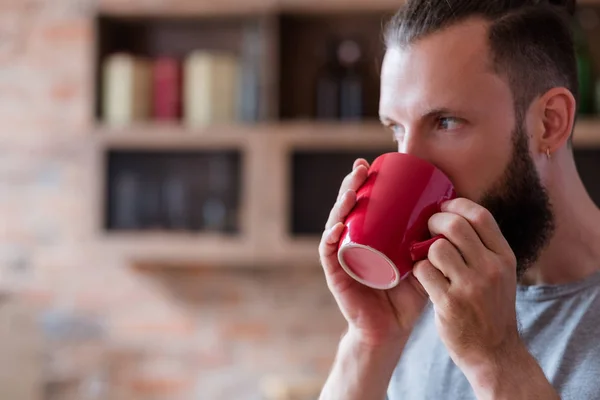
559 324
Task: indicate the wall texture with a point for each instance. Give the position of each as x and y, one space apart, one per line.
111 331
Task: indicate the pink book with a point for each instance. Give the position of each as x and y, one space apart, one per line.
166 84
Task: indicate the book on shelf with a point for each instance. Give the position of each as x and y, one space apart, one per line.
211 88
166 89
126 89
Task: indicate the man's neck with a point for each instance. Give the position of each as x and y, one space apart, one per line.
573 252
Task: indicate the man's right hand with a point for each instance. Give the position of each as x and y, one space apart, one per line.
375 317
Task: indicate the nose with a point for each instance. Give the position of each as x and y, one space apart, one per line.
414 144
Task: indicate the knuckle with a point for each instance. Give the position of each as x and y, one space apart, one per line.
420 269
456 224
496 272
481 216
342 209
495 275
439 248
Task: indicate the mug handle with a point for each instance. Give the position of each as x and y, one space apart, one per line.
419 250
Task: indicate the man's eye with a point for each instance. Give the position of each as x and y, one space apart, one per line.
448 123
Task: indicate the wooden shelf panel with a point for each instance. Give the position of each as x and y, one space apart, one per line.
172 136
180 249
202 250
185 8
339 6
587 134
302 135
198 8
297 134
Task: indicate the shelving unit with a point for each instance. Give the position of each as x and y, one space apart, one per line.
266 237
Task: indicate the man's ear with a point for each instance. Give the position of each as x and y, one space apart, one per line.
557 109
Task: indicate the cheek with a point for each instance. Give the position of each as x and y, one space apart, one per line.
475 170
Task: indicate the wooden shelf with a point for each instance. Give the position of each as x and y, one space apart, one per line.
297 134
338 6
201 8
587 134
169 248
164 249
186 9
172 136
209 251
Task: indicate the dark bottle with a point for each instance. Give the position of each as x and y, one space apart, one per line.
351 81
339 91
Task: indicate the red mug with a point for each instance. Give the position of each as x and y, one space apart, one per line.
387 231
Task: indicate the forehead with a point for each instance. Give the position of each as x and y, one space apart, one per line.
450 68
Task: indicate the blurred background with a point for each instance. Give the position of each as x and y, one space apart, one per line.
166 169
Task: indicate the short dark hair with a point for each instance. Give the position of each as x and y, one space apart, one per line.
531 41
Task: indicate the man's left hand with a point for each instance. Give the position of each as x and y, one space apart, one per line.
471 280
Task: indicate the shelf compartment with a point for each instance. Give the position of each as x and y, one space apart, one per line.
316 178
149 38
173 191
306 43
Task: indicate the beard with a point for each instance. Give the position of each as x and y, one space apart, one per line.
521 206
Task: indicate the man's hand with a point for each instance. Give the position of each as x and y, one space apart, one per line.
471 280
376 317
379 322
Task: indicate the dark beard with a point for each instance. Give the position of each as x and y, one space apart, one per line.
521 206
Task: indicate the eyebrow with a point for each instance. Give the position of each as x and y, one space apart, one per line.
434 112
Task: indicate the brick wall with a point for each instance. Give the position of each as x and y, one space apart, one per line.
111 331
